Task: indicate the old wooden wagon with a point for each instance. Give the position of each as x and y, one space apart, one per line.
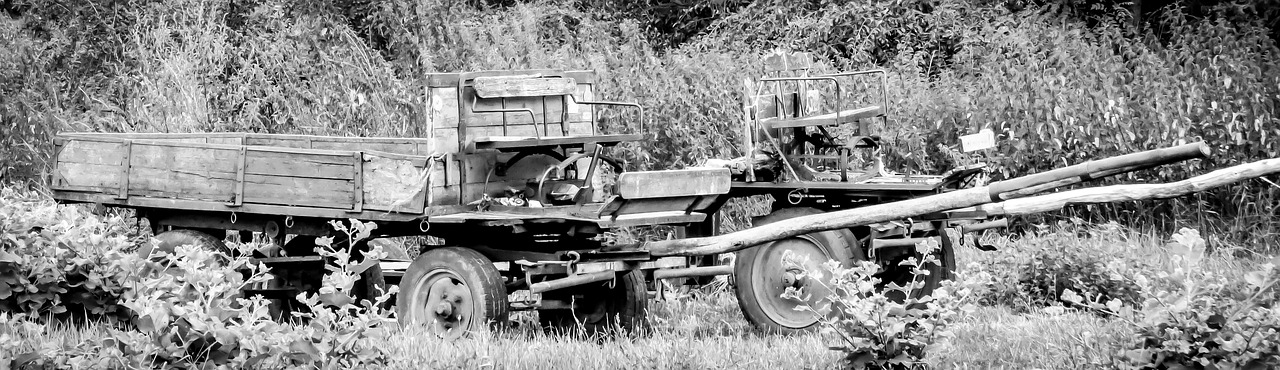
512 170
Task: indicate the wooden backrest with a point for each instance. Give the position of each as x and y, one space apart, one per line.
523 86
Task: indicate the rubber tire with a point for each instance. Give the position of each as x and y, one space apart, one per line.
937 274
624 307
170 240
487 288
840 245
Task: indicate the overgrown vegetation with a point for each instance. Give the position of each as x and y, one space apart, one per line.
1060 82
1193 307
60 265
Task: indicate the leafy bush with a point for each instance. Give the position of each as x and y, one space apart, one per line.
61 261
877 331
188 311
1035 272
1205 319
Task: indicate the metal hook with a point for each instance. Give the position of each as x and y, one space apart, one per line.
424 226
233 217
288 222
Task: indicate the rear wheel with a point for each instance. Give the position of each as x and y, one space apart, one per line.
600 307
938 272
761 275
452 291
169 241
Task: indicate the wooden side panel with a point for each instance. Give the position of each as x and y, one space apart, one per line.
203 172
393 185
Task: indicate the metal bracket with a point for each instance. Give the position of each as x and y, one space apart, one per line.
358 181
126 161
238 197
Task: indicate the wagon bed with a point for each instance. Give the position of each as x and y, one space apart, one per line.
369 179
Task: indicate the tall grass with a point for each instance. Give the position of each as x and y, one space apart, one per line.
1057 90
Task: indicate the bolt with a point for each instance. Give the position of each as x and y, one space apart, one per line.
444 309
788 278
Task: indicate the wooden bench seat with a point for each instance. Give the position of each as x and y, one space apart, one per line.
845 116
523 142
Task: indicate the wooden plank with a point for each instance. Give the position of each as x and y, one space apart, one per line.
188 157
296 191
673 183
299 165
90 152
87 175
401 148
262 209
519 86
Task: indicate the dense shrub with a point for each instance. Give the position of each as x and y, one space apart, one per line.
1199 317
61 261
1092 260
189 312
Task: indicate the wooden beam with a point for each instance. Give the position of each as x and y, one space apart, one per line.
951 201
1130 192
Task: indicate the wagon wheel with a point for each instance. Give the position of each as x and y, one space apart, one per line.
309 279
902 275
452 291
600 307
761 276
170 240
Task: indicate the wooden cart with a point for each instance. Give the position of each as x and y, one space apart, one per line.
512 171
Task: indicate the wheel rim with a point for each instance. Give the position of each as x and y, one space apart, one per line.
444 303
770 278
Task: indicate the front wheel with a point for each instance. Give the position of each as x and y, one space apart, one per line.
600 307
761 275
452 291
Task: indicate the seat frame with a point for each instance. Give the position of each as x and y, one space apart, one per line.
781 69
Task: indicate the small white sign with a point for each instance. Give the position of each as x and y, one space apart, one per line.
985 139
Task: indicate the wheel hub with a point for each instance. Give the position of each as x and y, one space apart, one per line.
447 305
775 275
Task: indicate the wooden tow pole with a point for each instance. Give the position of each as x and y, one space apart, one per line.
987 198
